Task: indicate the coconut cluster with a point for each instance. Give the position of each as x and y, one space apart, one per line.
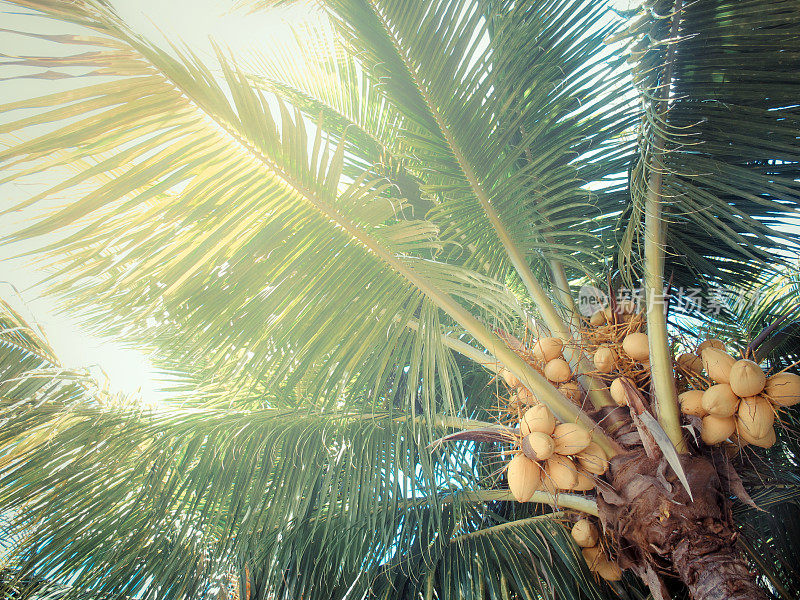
554 456
621 352
736 401
546 356
586 535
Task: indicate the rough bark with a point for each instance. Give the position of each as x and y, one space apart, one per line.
656 524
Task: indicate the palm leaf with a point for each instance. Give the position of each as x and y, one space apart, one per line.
730 166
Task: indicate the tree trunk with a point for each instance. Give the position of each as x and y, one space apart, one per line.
658 527
714 571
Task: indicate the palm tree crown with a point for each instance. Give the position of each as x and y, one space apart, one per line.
339 250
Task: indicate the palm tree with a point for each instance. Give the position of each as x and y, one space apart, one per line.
343 252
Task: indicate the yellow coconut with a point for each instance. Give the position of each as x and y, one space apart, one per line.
547 486
746 378
585 533
598 318
547 348
509 378
690 363
605 359
636 346
523 477
594 557
720 400
710 343
525 396
692 403
585 482
609 570
762 442
717 429
717 364
537 418
561 472
755 417
594 459
571 390
540 445
618 392
570 438
557 370
783 389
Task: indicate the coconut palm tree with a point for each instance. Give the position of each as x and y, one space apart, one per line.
344 252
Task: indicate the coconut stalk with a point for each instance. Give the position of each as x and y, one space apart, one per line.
663 380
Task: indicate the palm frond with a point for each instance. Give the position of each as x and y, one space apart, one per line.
279 252
730 165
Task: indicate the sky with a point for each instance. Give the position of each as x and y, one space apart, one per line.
124 369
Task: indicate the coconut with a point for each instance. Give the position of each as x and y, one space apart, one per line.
593 458
523 477
609 314
537 418
747 378
597 319
525 396
720 400
636 346
571 390
594 556
692 403
585 482
690 363
547 348
609 570
509 378
571 438
561 472
538 446
557 370
604 359
618 392
755 417
717 429
783 389
762 442
585 533
717 364
710 343
547 486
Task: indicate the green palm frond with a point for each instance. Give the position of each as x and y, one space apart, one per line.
730 166
278 254
438 69
202 487
530 557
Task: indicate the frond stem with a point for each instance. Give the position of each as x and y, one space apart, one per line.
663 379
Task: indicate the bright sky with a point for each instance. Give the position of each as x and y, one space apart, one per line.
127 369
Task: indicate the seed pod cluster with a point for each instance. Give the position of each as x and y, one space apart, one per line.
741 400
555 456
586 535
546 356
620 350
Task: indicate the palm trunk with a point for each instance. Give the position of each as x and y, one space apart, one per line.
714 572
657 526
